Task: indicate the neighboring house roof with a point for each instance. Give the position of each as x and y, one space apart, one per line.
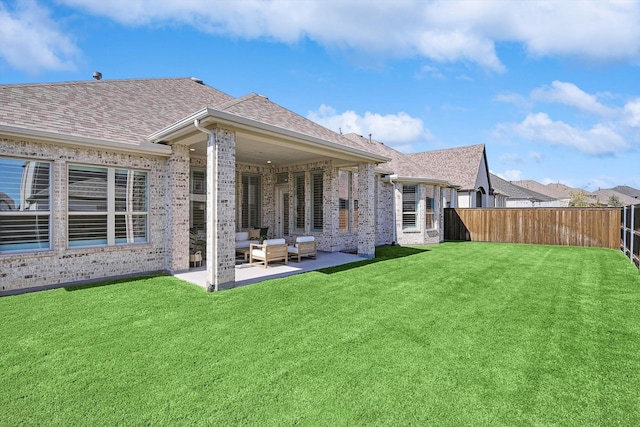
628 191
400 164
460 166
554 190
604 195
516 192
124 111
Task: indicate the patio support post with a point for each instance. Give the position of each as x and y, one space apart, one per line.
177 252
366 211
221 203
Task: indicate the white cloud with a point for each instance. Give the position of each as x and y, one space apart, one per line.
393 129
632 113
442 31
511 175
513 98
599 140
31 41
535 156
571 95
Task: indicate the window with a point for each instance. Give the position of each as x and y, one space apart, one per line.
344 187
198 181
251 216
409 206
317 200
25 200
430 216
198 201
299 200
107 206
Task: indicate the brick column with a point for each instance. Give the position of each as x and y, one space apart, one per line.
366 211
221 210
177 248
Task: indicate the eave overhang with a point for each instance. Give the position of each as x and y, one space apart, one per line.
420 180
210 118
142 147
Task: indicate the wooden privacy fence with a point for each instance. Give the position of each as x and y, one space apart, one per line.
596 227
630 233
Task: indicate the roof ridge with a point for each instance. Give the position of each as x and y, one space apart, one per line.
447 149
84 82
236 101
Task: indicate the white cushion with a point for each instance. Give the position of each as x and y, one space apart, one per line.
258 253
243 235
243 244
273 242
302 239
293 249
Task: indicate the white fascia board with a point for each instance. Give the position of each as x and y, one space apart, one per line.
412 180
143 147
210 116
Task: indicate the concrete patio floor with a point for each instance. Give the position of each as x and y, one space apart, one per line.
247 274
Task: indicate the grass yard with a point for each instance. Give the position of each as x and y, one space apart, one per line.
454 334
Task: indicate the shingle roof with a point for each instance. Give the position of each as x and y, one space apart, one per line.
115 110
554 190
400 164
261 109
460 165
627 191
605 195
516 192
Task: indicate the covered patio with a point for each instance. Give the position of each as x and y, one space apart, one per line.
246 274
262 166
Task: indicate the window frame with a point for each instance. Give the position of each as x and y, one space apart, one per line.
407 204
430 208
21 212
317 200
112 215
299 191
246 212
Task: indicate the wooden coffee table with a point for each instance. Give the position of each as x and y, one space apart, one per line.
244 252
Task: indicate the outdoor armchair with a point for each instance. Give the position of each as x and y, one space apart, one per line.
270 250
305 246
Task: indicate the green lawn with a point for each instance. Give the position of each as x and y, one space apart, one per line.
454 334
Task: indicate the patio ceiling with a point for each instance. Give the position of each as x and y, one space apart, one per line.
259 151
259 143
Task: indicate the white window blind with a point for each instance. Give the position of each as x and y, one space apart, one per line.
409 206
25 205
317 202
106 206
299 200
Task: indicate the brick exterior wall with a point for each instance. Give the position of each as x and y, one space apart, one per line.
221 201
366 211
420 235
60 265
384 212
177 254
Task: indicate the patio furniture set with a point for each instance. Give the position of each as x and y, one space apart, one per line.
270 250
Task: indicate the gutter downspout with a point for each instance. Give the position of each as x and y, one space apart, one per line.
393 209
212 247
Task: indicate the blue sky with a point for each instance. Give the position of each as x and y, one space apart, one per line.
550 87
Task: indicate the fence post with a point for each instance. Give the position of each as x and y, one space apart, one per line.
624 230
632 232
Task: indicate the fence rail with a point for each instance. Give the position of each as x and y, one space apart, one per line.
630 233
595 227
